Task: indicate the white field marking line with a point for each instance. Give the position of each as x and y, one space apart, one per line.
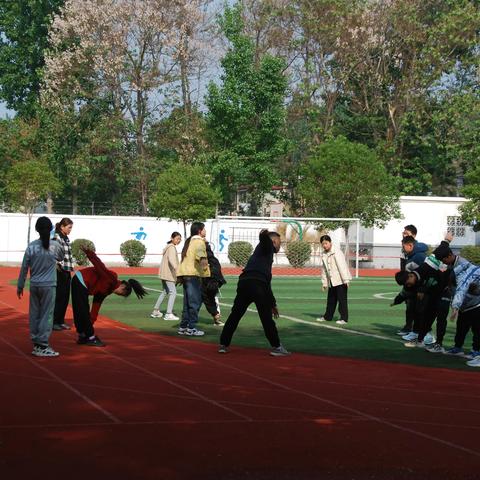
95 405
381 296
180 387
316 324
354 411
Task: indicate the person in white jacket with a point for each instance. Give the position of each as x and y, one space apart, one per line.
168 275
335 277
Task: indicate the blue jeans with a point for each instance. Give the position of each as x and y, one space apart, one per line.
192 301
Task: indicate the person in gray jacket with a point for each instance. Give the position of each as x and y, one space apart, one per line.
41 257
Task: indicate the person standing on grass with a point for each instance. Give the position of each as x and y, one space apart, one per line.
168 275
193 267
99 282
335 278
64 274
255 286
211 286
406 257
41 257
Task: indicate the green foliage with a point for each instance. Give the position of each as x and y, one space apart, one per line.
471 253
29 182
470 210
246 115
298 253
133 252
24 38
80 257
184 193
239 253
346 180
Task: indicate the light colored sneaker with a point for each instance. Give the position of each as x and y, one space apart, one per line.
182 330
156 314
222 349
429 339
410 336
403 332
474 363
435 348
414 343
321 319
341 322
193 332
280 351
39 351
473 354
170 316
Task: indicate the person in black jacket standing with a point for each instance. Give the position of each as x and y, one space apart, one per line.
254 286
211 286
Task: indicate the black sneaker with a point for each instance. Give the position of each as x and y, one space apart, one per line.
94 342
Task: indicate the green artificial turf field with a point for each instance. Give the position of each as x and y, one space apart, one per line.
300 300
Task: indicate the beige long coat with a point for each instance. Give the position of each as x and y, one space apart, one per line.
169 265
335 270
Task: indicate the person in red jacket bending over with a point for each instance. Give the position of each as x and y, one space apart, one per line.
99 282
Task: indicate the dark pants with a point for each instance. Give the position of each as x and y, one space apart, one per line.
336 295
81 309
466 321
62 296
192 301
208 297
409 314
436 308
248 292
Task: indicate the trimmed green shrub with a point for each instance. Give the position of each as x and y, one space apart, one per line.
133 252
239 253
298 253
80 258
471 253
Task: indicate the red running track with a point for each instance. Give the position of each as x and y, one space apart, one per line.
158 407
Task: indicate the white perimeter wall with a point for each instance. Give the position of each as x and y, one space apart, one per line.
428 214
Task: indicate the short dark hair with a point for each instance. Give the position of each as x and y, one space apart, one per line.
401 277
442 251
325 237
408 239
411 228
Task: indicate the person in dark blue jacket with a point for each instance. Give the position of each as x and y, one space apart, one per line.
254 286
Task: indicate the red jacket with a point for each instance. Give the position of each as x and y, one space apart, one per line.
100 282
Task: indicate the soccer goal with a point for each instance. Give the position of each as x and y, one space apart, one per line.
232 238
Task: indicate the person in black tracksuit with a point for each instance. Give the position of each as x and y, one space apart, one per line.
211 286
254 286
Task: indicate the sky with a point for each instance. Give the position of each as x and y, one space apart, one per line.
4 112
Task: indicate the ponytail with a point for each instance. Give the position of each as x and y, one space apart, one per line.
185 247
132 284
44 227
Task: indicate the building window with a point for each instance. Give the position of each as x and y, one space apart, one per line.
455 226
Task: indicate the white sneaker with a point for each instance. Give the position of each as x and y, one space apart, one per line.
39 351
474 363
182 330
321 319
341 322
429 339
193 332
410 336
435 348
170 316
280 351
156 314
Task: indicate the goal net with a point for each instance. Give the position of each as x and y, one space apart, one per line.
233 238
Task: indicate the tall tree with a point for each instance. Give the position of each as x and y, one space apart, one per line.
346 180
246 116
125 50
23 39
184 193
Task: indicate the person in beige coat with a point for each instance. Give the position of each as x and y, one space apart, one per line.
168 275
335 277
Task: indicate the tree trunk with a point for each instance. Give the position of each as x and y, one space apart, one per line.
75 196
